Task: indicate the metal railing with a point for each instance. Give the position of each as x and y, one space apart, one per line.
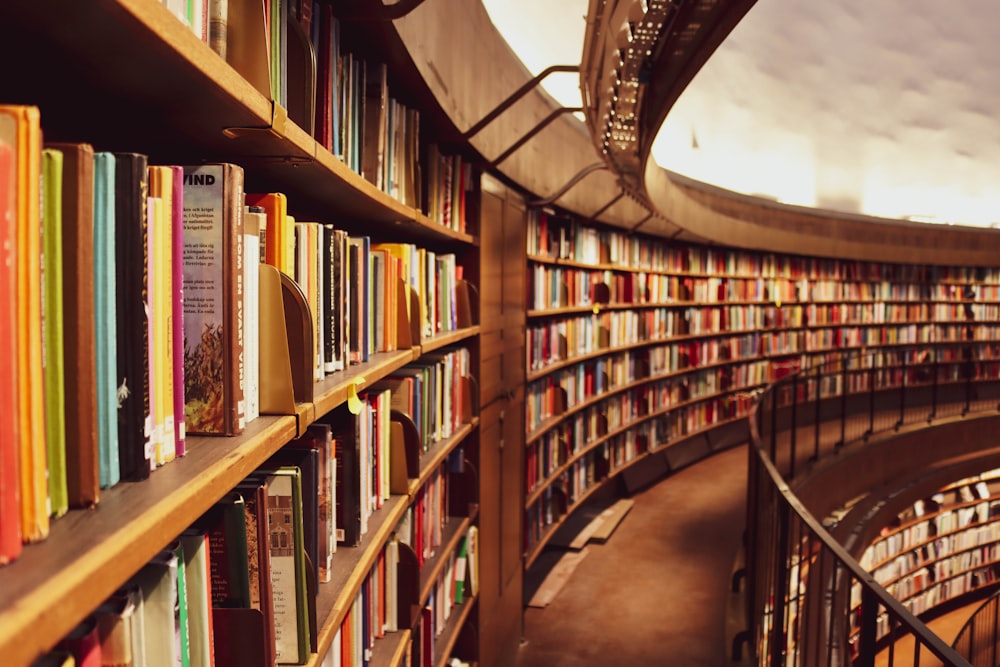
979 639
808 601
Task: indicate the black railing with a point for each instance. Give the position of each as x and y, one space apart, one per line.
809 602
979 639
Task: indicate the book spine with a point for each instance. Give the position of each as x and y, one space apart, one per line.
52 330
104 290
234 310
10 487
176 327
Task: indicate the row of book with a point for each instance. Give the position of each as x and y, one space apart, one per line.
559 393
253 561
155 269
558 237
295 53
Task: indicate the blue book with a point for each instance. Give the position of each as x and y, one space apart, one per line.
105 320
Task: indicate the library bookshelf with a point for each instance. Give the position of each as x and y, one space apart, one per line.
638 348
129 75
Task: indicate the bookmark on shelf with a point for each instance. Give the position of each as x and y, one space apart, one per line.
353 402
596 309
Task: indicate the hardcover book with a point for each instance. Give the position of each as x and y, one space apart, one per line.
52 328
160 298
10 485
105 319
158 581
254 490
131 233
214 372
199 597
31 391
177 310
288 566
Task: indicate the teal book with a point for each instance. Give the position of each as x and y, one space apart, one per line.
52 329
105 320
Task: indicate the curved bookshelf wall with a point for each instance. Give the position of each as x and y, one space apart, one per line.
942 549
128 75
636 345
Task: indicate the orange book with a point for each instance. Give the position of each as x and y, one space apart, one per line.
30 378
10 485
275 204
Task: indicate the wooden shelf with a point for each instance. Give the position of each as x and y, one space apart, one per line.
333 390
432 568
390 650
439 451
90 553
350 568
448 338
445 642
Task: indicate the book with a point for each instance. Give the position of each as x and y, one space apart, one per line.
52 329
255 221
160 299
158 581
31 391
10 484
84 643
288 565
131 233
105 318
277 231
182 637
214 371
254 490
115 625
225 525
199 597
176 345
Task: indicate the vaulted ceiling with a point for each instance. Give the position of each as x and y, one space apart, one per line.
882 108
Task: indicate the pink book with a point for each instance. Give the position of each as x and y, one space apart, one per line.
177 220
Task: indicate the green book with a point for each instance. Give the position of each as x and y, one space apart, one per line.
52 329
181 615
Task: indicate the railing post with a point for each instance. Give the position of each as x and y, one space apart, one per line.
774 422
844 362
934 386
869 624
778 640
871 401
819 389
902 395
795 424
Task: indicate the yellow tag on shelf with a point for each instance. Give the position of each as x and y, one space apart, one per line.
777 302
597 309
353 402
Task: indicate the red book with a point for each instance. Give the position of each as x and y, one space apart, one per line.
84 643
10 503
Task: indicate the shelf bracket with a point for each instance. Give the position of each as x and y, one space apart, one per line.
515 96
597 166
542 124
597 214
380 12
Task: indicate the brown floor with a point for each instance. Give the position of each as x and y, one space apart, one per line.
656 592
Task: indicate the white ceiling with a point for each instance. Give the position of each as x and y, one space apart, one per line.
882 107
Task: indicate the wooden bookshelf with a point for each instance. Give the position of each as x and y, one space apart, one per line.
128 75
764 314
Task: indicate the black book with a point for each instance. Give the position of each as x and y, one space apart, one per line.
131 250
347 473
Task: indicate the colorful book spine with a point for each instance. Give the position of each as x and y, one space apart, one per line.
31 391
52 329
177 310
105 317
10 485
214 371
131 261
161 188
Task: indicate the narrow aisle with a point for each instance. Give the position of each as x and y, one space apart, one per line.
655 593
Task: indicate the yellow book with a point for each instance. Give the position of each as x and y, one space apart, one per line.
33 465
161 188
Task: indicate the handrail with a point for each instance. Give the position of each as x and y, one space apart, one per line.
808 601
979 639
